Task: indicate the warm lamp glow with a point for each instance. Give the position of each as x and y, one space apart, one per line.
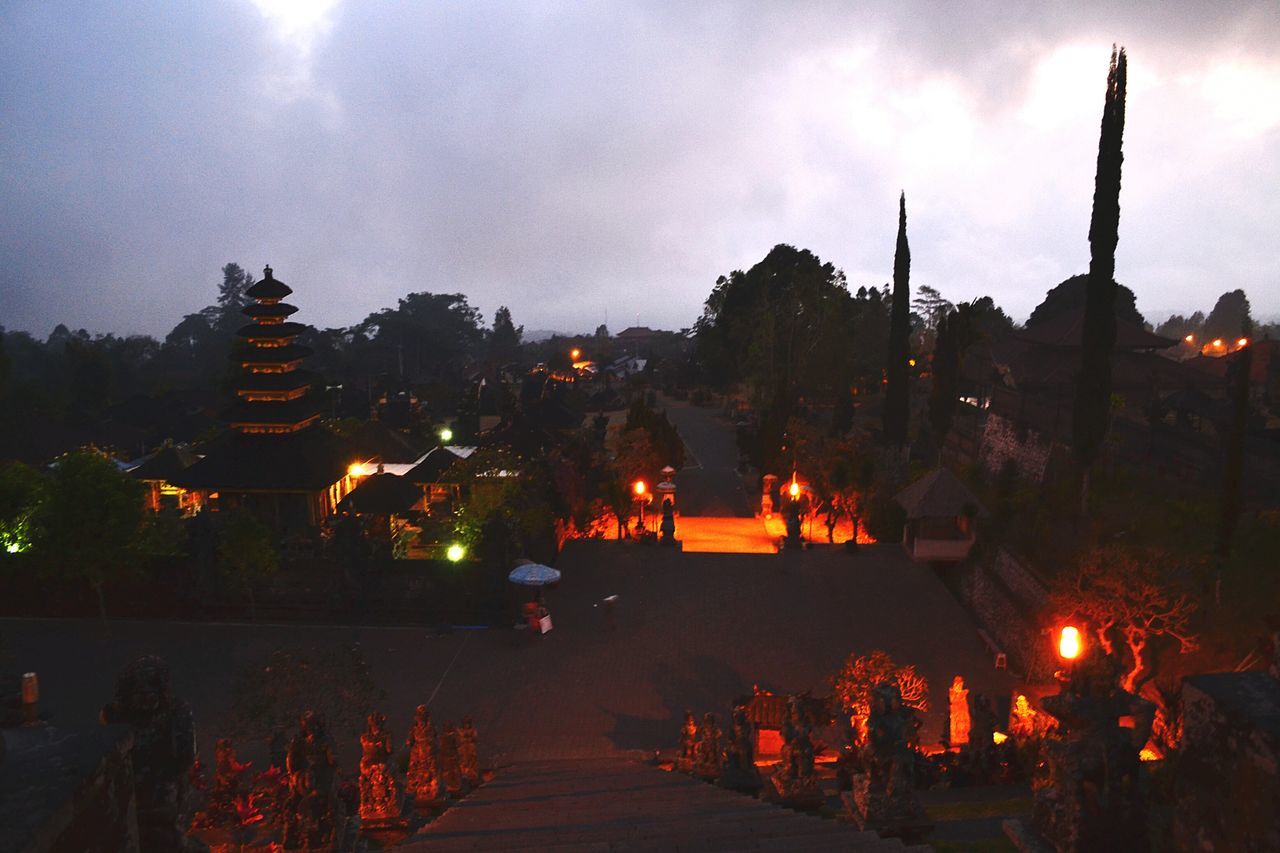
1217 343
1243 342
639 487
446 435
999 737
455 552
355 470
574 353
794 490
1148 754
1190 339
1069 643
911 362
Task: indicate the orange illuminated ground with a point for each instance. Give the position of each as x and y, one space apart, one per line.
699 534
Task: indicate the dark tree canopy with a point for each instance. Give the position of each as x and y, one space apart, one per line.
504 340
426 335
1230 317
897 396
1070 296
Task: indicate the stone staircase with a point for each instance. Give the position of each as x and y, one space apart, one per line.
620 805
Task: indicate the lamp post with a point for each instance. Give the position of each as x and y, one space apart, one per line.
641 491
1070 645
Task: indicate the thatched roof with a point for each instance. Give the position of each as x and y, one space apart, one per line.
306 461
382 494
165 464
432 466
938 495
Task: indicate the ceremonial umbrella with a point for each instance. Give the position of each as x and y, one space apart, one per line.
534 574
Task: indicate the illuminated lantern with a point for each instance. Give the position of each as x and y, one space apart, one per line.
1069 643
446 435
1243 342
794 491
574 353
640 488
355 470
1217 343
455 553
1190 339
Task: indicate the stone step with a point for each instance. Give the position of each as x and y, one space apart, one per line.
619 805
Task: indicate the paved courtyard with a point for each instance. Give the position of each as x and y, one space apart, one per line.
689 631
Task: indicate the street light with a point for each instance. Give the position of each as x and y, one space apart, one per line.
455 552
794 490
446 435
574 353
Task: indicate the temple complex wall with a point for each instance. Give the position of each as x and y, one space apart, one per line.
1006 598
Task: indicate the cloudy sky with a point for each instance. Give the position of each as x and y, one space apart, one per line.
585 160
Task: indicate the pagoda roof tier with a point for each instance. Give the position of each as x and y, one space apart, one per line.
269 288
165 464
305 461
276 381
273 412
275 309
271 355
275 330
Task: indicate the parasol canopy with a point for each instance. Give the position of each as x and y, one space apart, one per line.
534 574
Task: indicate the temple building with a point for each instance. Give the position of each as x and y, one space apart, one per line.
275 457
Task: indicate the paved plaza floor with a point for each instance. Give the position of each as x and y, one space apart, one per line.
689 631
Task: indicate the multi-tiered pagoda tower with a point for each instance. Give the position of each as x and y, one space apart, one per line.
274 395
276 459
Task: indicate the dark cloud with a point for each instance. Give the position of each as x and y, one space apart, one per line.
573 159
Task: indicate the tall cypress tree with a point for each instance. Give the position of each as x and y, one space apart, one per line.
896 400
1092 410
1233 468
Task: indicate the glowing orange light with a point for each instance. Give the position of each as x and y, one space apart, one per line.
911 362
1217 343
639 487
1243 342
356 470
999 737
794 490
1190 339
1148 754
1069 643
574 353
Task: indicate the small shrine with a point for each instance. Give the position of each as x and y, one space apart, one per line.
941 512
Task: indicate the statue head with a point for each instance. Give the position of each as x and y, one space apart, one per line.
142 688
376 721
957 684
422 715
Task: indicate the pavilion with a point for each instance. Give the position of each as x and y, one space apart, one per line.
940 515
276 459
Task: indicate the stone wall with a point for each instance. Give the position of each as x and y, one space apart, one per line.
1003 442
1006 599
1227 791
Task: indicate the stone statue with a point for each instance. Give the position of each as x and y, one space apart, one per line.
739 772
668 527
468 756
708 760
958 703
1092 795
164 750
1023 719
979 755
793 780
450 771
883 794
228 783
688 744
423 779
794 539
379 794
310 812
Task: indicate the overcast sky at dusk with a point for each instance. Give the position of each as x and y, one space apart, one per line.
573 159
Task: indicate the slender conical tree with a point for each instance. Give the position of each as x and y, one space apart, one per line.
1092 409
1233 468
896 399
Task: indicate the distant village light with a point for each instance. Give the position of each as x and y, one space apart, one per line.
1243 342
455 552
1069 643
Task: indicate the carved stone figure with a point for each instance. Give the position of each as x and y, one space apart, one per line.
1092 795
668 526
739 772
793 780
883 796
450 771
709 758
980 753
468 756
310 813
164 750
423 779
379 794
688 744
958 704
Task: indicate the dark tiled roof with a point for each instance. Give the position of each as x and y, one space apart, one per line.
276 381
257 309
273 411
938 495
277 330
382 494
165 464
271 355
374 439
305 461
430 470
1249 698
269 288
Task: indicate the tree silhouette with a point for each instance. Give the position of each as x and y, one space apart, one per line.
1092 409
896 400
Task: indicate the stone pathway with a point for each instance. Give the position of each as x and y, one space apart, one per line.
620 805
